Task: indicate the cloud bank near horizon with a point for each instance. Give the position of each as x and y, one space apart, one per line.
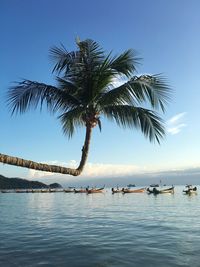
92 170
101 170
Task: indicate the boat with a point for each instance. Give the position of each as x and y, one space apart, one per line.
28 190
55 190
190 190
117 190
69 190
82 190
35 191
156 191
131 185
20 191
45 191
7 191
154 185
95 190
150 191
128 190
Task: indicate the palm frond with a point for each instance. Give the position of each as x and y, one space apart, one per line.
99 124
62 59
101 77
71 120
146 120
67 86
125 63
28 94
152 88
112 67
117 96
90 50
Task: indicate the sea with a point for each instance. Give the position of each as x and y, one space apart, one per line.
103 230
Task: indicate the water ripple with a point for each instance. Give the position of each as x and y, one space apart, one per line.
99 230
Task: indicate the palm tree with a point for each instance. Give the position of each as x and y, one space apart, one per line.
86 90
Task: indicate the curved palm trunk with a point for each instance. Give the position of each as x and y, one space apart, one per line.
51 168
85 148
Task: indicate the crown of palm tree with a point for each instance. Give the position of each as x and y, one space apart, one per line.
85 90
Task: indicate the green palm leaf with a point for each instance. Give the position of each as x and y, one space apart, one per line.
152 89
28 94
125 63
139 90
129 117
71 120
62 59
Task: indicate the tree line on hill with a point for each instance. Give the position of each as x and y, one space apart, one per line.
18 183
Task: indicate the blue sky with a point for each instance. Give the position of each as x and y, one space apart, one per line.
166 35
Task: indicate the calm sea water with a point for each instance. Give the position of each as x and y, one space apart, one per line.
60 229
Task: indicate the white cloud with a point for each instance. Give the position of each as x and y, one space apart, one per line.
175 124
109 170
34 174
176 118
92 170
176 129
97 170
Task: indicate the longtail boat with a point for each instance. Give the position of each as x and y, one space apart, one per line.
45 191
7 191
154 185
80 190
95 190
128 190
156 191
118 190
55 190
190 190
69 190
20 190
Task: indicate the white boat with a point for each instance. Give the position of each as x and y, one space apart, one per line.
190 190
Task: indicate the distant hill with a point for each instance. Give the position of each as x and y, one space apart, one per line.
55 185
18 183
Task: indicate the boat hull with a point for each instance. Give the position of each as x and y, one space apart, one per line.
190 190
80 191
117 191
69 190
156 191
126 190
94 191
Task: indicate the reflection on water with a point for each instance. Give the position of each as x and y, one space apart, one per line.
99 229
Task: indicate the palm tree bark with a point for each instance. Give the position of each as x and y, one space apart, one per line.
6 159
85 148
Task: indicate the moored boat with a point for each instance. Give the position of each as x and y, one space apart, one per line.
45 191
20 190
55 190
7 191
131 185
156 191
190 190
95 190
117 190
82 190
154 185
36 191
69 190
139 190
